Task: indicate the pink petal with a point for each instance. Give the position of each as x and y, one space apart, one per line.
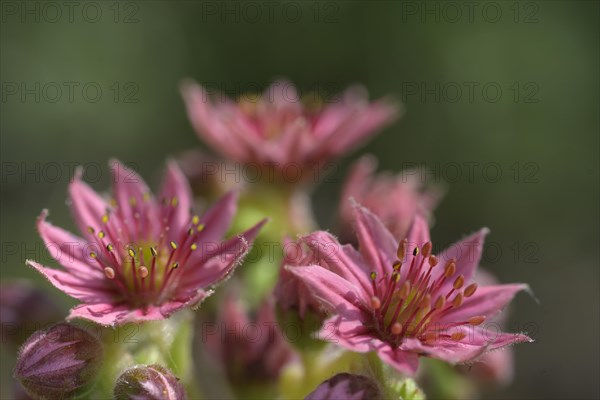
218 218
487 301
129 187
340 259
332 291
376 243
445 350
82 288
176 186
67 249
467 254
351 334
87 206
215 263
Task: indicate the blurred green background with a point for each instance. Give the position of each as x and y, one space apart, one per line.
540 130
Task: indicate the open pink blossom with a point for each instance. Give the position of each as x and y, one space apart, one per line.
279 130
140 257
395 199
400 300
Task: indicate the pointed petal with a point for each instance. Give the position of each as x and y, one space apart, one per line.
176 186
342 260
218 218
332 291
467 254
376 243
215 263
446 350
131 192
68 249
86 205
487 301
351 334
86 290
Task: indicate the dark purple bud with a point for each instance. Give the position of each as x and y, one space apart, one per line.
25 309
59 362
348 387
149 382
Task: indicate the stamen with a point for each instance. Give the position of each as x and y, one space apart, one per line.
450 269
91 230
109 272
397 265
459 282
200 228
470 290
195 220
401 252
458 299
440 303
427 249
109 247
396 328
153 251
476 320
458 336
175 265
143 271
433 260
416 251
105 218
101 234
173 245
375 303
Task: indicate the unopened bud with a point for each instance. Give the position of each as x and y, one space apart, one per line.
149 382
59 362
346 386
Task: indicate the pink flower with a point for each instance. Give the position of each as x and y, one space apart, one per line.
395 199
399 300
276 129
250 349
141 258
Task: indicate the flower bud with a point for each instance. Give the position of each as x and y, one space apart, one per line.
59 362
149 382
346 386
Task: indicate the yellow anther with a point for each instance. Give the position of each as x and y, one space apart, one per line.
375 303
193 247
105 218
175 265
91 230
440 302
476 320
93 255
396 328
427 249
153 251
459 282
131 253
173 245
195 220
470 290
174 201
416 251
457 300
397 265
433 260
458 336
109 273
373 275
109 247
401 252
101 234
200 228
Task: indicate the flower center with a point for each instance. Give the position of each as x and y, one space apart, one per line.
409 302
144 270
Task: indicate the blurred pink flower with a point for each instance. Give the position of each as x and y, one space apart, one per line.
141 258
395 199
278 130
250 349
399 300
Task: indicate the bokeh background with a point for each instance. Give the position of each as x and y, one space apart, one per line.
532 115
